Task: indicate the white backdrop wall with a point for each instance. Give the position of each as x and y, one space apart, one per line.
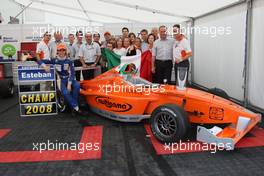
256 72
219 60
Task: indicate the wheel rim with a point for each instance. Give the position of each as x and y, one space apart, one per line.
166 124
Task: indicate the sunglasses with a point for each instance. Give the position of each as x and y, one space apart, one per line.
62 50
48 35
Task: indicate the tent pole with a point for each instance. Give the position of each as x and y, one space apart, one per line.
23 15
84 11
247 51
23 9
192 34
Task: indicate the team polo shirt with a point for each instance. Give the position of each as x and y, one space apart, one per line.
89 52
162 49
179 46
71 51
76 48
43 47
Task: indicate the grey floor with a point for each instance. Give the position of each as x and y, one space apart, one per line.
125 151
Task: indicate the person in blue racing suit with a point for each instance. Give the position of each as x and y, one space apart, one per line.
70 88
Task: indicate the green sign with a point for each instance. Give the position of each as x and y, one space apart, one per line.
8 50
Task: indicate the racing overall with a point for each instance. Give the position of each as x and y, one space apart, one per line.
65 69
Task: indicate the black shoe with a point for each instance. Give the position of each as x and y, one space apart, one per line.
79 112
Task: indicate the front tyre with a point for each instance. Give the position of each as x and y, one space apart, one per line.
169 123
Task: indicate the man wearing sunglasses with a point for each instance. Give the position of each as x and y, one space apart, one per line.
43 50
43 47
70 88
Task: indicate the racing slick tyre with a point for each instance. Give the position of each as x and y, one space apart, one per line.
169 123
6 88
219 92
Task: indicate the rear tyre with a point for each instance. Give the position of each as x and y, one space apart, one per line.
169 123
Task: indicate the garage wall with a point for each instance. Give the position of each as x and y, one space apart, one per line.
256 69
219 59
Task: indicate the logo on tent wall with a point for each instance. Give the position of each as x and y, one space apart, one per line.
8 50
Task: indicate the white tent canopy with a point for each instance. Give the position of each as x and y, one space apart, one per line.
231 61
119 11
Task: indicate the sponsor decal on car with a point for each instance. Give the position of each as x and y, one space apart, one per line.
216 113
113 105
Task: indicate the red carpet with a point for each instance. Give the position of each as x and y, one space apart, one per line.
4 132
194 146
90 135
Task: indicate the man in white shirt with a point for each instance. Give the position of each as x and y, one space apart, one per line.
144 38
53 45
76 47
71 52
96 38
155 32
181 51
43 48
89 54
125 32
162 55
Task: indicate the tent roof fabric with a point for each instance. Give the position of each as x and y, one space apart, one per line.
123 11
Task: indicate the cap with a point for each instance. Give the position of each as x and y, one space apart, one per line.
107 33
61 46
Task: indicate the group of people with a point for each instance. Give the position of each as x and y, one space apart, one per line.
166 53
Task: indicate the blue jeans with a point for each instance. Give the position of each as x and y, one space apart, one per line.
70 97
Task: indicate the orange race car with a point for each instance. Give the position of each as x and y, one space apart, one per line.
129 98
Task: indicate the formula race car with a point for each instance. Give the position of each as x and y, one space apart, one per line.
129 98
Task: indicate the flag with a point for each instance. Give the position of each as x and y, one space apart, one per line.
142 63
128 62
145 66
112 58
